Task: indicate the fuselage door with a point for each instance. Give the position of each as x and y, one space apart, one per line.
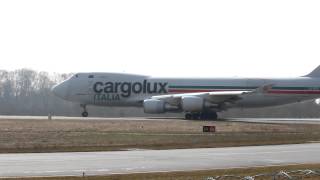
91 80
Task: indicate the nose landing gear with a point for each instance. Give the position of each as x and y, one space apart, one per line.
85 112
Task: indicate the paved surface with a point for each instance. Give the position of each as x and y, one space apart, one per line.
98 163
278 120
83 118
253 120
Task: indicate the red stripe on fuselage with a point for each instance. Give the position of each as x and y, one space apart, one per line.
201 90
270 91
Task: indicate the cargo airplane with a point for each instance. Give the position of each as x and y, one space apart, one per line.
198 98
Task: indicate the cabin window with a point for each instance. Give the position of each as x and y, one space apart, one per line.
91 76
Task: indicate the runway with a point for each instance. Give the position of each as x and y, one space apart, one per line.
123 162
277 120
250 120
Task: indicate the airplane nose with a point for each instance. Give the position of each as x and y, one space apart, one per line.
61 90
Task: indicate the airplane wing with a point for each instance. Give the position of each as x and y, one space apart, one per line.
216 97
213 97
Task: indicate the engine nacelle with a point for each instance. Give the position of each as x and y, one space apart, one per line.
154 106
193 104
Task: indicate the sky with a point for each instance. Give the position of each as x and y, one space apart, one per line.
199 38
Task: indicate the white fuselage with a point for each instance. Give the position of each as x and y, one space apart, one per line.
113 89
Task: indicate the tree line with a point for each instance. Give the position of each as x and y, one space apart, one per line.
28 92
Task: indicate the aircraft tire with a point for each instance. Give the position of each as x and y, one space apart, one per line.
204 116
188 116
85 114
196 116
213 116
209 116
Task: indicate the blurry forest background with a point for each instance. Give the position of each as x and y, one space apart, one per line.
27 92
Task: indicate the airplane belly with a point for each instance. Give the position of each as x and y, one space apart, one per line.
266 100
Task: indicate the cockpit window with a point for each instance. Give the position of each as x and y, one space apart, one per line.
91 76
77 75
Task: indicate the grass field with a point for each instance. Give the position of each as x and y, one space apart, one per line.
199 175
80 135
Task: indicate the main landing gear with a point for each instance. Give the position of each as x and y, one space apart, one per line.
85 112
201 116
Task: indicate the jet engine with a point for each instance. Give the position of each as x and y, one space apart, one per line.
154 106
194 104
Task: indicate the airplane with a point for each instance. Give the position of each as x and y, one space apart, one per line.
198 98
